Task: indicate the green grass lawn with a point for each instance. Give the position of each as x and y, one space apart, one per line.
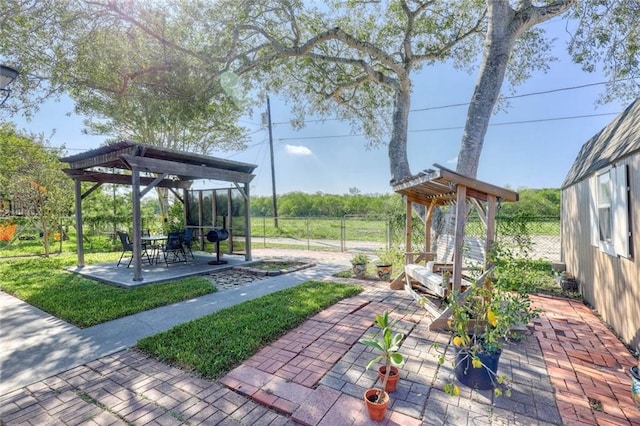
214 344
43 283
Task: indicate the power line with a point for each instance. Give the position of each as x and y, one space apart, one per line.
542 92
437 129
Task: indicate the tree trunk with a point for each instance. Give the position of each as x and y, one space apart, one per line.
398 160
498 44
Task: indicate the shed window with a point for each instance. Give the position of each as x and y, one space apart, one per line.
610 211
604 206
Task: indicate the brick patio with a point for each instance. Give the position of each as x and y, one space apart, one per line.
571 370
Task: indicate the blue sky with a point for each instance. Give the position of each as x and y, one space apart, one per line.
531 155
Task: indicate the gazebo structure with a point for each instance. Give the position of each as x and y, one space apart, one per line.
444 187
141 165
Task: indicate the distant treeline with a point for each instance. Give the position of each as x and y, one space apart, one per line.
532 203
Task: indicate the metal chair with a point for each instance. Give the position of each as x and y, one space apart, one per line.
127 246
187 238
173 248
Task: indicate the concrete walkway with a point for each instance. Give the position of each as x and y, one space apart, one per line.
35 345
313 375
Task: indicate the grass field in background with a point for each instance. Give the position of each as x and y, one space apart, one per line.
335 229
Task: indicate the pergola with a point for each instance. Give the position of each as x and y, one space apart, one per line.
141 165
444 187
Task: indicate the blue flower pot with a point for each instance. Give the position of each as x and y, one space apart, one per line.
482 378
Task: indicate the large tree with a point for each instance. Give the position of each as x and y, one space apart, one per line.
31 176
353 60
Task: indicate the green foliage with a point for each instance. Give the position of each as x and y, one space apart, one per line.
43 283
32 176
482 321
359 259
300 204
515 271
544 202
214 344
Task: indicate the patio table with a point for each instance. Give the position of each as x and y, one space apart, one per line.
152 241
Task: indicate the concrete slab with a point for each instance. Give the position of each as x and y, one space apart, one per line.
122 276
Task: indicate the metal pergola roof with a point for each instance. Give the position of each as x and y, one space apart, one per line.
124 162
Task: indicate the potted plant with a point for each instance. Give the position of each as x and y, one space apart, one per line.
386 344
482 320
359 262
635 384
386 259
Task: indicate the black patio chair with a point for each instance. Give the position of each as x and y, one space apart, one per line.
187 239
127 247
173 251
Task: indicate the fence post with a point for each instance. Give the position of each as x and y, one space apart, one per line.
342 234
264 232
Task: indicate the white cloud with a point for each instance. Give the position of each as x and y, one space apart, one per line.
298 150
454 160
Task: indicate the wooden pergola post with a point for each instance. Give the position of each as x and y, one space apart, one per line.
79 233
461 218
408 232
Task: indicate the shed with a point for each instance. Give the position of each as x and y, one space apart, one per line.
601 223
136 164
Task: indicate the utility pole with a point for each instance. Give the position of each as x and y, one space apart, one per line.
273 170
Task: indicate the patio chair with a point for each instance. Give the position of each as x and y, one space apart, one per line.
127 247
173 251
187 239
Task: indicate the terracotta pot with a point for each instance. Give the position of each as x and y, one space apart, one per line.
393 378
377 410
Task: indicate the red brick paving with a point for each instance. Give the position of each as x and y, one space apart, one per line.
285 375
587 365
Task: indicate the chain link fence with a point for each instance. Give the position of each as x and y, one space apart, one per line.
539 237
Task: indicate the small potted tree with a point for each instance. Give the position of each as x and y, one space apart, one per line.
481 322
359 263
386 344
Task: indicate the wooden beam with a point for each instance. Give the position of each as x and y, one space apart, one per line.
120 179
90 190
79 236
408 231
427 225
153 184
491 229
461 217
154 165
483 187
137 244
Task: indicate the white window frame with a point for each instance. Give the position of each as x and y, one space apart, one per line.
619 244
